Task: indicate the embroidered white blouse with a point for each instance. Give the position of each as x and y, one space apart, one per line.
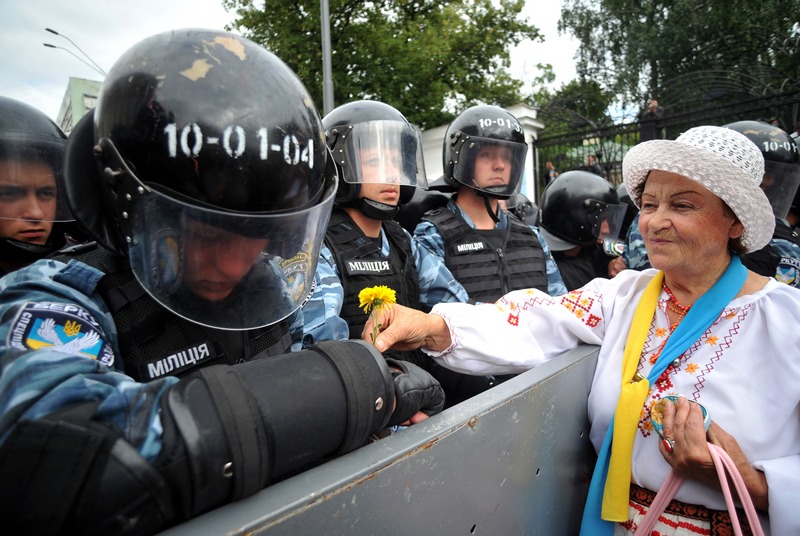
745 370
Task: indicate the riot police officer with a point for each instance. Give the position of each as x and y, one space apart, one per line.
581 218
488 250
379 160
34 217
205 197
780 183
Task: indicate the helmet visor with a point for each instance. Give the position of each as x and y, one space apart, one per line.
381 152
780 183
605 219
492 166
226 270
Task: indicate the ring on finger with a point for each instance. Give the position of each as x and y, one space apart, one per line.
669 444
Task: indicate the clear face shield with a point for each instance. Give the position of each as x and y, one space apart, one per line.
606 221
222 269
32 194
494 167
387 152
780 183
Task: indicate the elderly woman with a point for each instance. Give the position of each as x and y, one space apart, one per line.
698 325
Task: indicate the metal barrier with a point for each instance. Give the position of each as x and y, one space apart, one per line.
513 460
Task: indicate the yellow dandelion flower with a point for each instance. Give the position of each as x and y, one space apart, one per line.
372 298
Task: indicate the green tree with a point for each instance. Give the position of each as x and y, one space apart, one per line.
579 103
428 59
633 47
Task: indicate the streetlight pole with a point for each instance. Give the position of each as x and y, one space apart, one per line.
48 45
93 63
327 80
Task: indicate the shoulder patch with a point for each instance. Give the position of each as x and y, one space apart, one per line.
788 271
65 327
296 268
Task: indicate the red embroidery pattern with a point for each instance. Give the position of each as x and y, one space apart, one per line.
664 385
580 305
513 319
722 345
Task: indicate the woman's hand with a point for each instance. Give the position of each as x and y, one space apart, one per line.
402 328
690 457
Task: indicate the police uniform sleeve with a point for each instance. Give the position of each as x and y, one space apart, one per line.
427 236
635 254
321 320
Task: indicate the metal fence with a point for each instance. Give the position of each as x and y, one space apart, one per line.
515 459
609 143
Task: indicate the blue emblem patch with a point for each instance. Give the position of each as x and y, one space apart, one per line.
64 327
295 270
788 271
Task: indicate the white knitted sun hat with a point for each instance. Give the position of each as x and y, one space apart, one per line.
720 159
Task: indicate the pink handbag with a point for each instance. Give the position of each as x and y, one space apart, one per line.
722 462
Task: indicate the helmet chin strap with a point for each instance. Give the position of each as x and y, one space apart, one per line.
487 204
377 210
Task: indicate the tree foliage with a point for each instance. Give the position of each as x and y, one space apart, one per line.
633 47
427 58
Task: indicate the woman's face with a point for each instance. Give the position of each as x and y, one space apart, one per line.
685 227
27 201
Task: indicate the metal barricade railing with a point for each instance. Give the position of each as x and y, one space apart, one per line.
513 460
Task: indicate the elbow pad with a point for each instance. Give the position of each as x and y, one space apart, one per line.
216 448
234 430
325 400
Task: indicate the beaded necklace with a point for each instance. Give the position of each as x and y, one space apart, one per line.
674 305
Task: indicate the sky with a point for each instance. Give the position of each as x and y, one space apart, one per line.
104 29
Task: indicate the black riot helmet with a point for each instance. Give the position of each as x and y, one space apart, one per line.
372 142
523 208
781 162
578 209
206 149
491 132
34 214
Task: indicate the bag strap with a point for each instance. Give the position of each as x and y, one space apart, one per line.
722 463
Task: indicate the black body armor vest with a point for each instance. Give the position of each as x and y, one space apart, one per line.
578 270
156 342
490 263
362 265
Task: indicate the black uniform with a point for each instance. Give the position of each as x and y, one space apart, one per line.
578 270
490 263
156 342
361 265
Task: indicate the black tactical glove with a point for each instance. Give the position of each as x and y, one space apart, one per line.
415 390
